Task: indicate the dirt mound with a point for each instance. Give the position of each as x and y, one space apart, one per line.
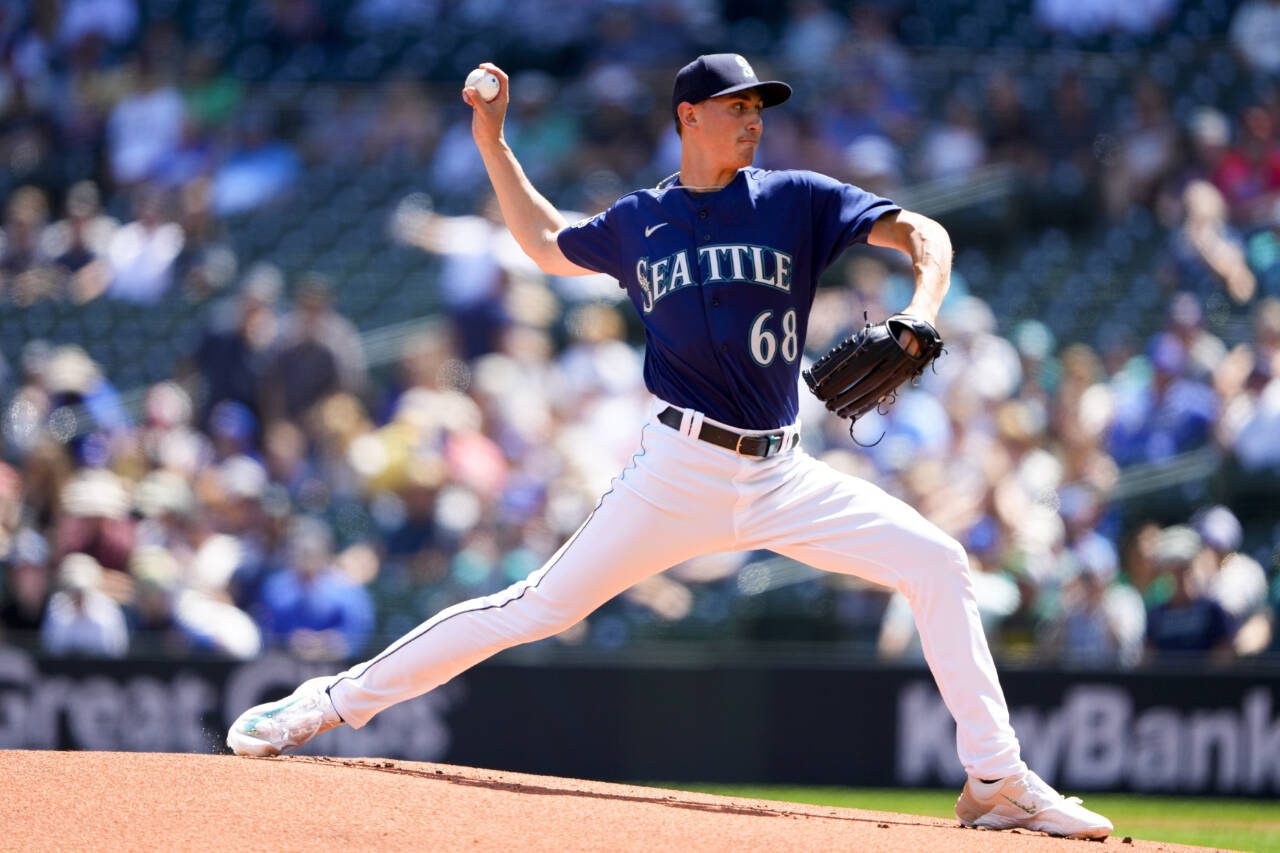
146 801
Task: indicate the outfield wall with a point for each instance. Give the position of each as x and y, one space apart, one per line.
702 720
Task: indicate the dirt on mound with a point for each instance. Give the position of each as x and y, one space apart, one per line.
139 801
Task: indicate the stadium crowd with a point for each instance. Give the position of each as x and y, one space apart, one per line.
273 487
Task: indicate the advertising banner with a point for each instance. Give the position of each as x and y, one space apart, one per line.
1197 733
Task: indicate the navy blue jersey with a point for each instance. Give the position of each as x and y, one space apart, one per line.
724 282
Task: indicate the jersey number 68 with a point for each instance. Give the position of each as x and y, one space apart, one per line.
764 343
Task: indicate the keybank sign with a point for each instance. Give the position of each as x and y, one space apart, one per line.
1095 740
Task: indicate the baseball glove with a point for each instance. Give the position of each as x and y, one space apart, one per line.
864 371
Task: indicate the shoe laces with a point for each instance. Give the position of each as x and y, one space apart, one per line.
1040 788
1051 796
300 717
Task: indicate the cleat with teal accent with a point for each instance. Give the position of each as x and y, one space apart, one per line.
1026 801
288 723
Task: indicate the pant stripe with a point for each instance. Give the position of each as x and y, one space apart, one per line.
542 573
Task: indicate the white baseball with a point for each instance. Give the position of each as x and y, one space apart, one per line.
484 81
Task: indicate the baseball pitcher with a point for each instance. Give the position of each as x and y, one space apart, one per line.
721 261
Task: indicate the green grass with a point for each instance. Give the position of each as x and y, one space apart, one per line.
1252 825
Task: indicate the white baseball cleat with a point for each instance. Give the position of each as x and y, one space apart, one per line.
1025 801
288 723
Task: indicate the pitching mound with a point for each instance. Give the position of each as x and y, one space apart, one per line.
137 801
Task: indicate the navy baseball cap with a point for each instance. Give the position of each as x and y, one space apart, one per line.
716 74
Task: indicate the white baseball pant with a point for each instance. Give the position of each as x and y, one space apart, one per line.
681 497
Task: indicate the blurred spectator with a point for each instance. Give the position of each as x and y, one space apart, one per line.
597 361
1147 149
233 430
237 342
314 315
308 606
26 274
1069 134
540 129
150 609
207 261
955 147
1166 415
185 615
1097 622
810 35
169 438
80 242
1205 350
95 520
111 21
1255 34
1235 580
407 127
1009 136
1249 173
1141 569
1083 18
211 95
319 353
82 619
1250 424
84 409
479 254
1190 624
26 591
285 456
258 169
145 128
1263 252
1209 136
143 253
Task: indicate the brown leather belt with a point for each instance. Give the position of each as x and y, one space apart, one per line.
762 445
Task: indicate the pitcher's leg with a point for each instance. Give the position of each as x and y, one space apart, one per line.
841 524
624 541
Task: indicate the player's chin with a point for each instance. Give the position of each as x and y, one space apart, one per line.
747 151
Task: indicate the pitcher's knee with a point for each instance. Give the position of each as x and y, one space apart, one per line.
953 569
939 564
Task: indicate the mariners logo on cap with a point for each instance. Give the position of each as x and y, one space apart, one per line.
746 67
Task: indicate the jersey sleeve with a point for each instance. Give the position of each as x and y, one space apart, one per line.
593 243
843 215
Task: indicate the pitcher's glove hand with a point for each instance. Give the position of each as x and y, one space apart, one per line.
864 371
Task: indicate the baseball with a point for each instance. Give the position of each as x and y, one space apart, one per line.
484 81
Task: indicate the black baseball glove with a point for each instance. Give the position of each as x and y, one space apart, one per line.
864 371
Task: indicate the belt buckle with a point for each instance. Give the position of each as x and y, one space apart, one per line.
773 444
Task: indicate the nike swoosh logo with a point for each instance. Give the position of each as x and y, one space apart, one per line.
653 228
1027 809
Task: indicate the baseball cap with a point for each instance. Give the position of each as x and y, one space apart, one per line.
715 74
1219 528
1178 545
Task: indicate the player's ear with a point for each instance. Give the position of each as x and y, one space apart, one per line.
688 115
